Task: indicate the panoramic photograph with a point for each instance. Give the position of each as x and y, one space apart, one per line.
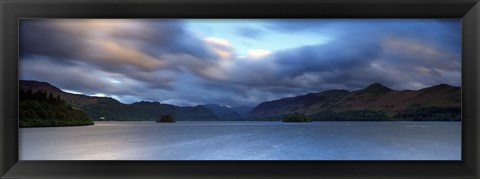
240 89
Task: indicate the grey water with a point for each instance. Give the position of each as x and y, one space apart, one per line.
244 140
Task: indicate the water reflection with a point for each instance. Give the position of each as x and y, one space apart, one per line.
244 141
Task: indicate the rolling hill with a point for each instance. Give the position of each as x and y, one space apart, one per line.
376 100
106 108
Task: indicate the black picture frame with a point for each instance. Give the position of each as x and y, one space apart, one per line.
467 10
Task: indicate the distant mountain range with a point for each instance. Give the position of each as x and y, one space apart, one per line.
439 102
375 102
106 108
224 112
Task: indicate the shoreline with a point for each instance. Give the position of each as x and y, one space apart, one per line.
210 121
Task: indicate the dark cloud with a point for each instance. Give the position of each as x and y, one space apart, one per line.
305 67
169 36
80 77
160 60
443 32
337 55
41 38
402 60
136 43
136 48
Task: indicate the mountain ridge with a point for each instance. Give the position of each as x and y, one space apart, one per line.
373 98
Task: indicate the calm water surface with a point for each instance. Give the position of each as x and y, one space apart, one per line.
244 141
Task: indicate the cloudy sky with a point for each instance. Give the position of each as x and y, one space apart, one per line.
237 62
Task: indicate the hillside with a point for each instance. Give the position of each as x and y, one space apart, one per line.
155 109
76 100
373 102
224 112
105 108
41 109
243 110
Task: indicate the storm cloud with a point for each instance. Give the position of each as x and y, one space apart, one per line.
168 61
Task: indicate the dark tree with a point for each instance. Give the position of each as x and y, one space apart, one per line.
297 117
166 118
39 110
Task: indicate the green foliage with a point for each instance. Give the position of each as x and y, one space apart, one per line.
297 117
166 118
354 115
41 110
431 114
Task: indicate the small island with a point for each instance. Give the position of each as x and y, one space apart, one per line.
166 118
297 117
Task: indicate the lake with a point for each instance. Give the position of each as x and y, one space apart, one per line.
244 140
